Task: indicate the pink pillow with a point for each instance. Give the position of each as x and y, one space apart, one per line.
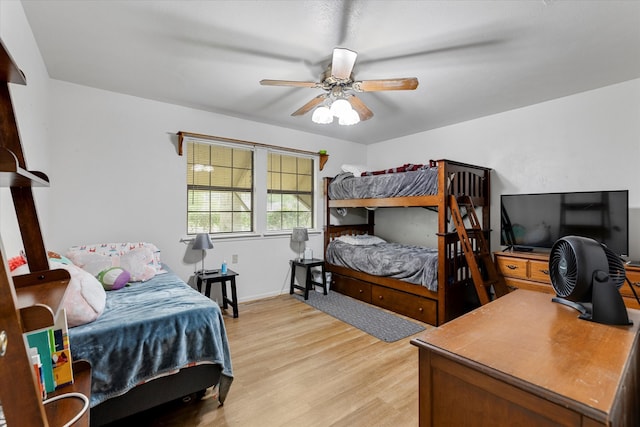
85 297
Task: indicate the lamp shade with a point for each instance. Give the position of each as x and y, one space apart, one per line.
299 234
202 241
322 115
340 107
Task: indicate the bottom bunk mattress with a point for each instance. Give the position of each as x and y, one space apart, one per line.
412 264
148 330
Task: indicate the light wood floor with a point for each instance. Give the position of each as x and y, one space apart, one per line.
296 366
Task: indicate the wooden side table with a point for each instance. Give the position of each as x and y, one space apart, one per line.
216 277
308 264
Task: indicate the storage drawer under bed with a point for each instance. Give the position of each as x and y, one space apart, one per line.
416 307
354 288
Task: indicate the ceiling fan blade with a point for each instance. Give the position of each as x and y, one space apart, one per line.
310 105
409 83
266 82
342 63
363 111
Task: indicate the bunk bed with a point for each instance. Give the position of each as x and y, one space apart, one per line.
451 292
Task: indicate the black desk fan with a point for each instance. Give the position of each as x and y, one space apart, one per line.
586 275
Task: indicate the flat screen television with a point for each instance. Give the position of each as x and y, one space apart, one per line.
536 221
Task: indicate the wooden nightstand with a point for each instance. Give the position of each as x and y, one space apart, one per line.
308 264
216 277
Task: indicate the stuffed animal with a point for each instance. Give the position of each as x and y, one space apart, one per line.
138 262
114 278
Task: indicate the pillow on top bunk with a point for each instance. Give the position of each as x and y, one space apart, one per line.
361 240
356 170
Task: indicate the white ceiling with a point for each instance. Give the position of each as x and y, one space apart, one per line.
472 58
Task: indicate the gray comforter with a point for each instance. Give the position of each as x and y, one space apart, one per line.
415 183
413 264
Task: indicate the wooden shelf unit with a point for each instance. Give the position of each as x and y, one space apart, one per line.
30 301
530 270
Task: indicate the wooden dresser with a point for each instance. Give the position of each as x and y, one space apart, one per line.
523 360
530 270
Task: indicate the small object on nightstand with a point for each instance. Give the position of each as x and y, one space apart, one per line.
223 269
202 242
300 235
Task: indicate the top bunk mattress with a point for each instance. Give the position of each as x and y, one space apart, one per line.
422 182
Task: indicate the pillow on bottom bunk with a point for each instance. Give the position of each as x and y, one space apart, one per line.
141 260
85 297
361 239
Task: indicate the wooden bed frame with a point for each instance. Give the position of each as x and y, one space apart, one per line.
456 293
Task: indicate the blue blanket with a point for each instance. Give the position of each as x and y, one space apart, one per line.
150 329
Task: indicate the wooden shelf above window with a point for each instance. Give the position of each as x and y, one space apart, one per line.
323 160
182 135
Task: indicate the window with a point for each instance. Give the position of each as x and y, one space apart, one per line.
219 189
237 188
289 191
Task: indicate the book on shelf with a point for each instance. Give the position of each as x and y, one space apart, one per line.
40 340
52 345
61 352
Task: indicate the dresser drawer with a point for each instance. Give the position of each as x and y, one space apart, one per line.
423 309
351 287
539 271
529 285
513 267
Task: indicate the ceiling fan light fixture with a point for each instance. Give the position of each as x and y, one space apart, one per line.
322 115
340 107
350 118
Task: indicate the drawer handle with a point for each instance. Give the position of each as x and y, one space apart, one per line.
360 291
544 271
380 297
636 284
512 267
421 309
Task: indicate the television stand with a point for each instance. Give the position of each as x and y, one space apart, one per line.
530 270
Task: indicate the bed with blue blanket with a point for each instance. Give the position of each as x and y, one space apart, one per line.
156 341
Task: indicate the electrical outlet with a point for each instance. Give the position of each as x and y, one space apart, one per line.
234 259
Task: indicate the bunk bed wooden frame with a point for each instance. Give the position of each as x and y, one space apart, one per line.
456 293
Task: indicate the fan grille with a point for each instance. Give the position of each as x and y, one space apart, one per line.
617 273
563 268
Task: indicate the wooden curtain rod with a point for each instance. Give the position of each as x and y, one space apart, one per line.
182 135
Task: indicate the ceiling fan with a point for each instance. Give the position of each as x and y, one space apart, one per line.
338 83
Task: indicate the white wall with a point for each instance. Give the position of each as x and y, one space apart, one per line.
588 141
116 176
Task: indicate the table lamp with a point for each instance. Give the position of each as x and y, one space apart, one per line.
300 235
202 242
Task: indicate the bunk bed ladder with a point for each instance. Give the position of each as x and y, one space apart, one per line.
483 270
